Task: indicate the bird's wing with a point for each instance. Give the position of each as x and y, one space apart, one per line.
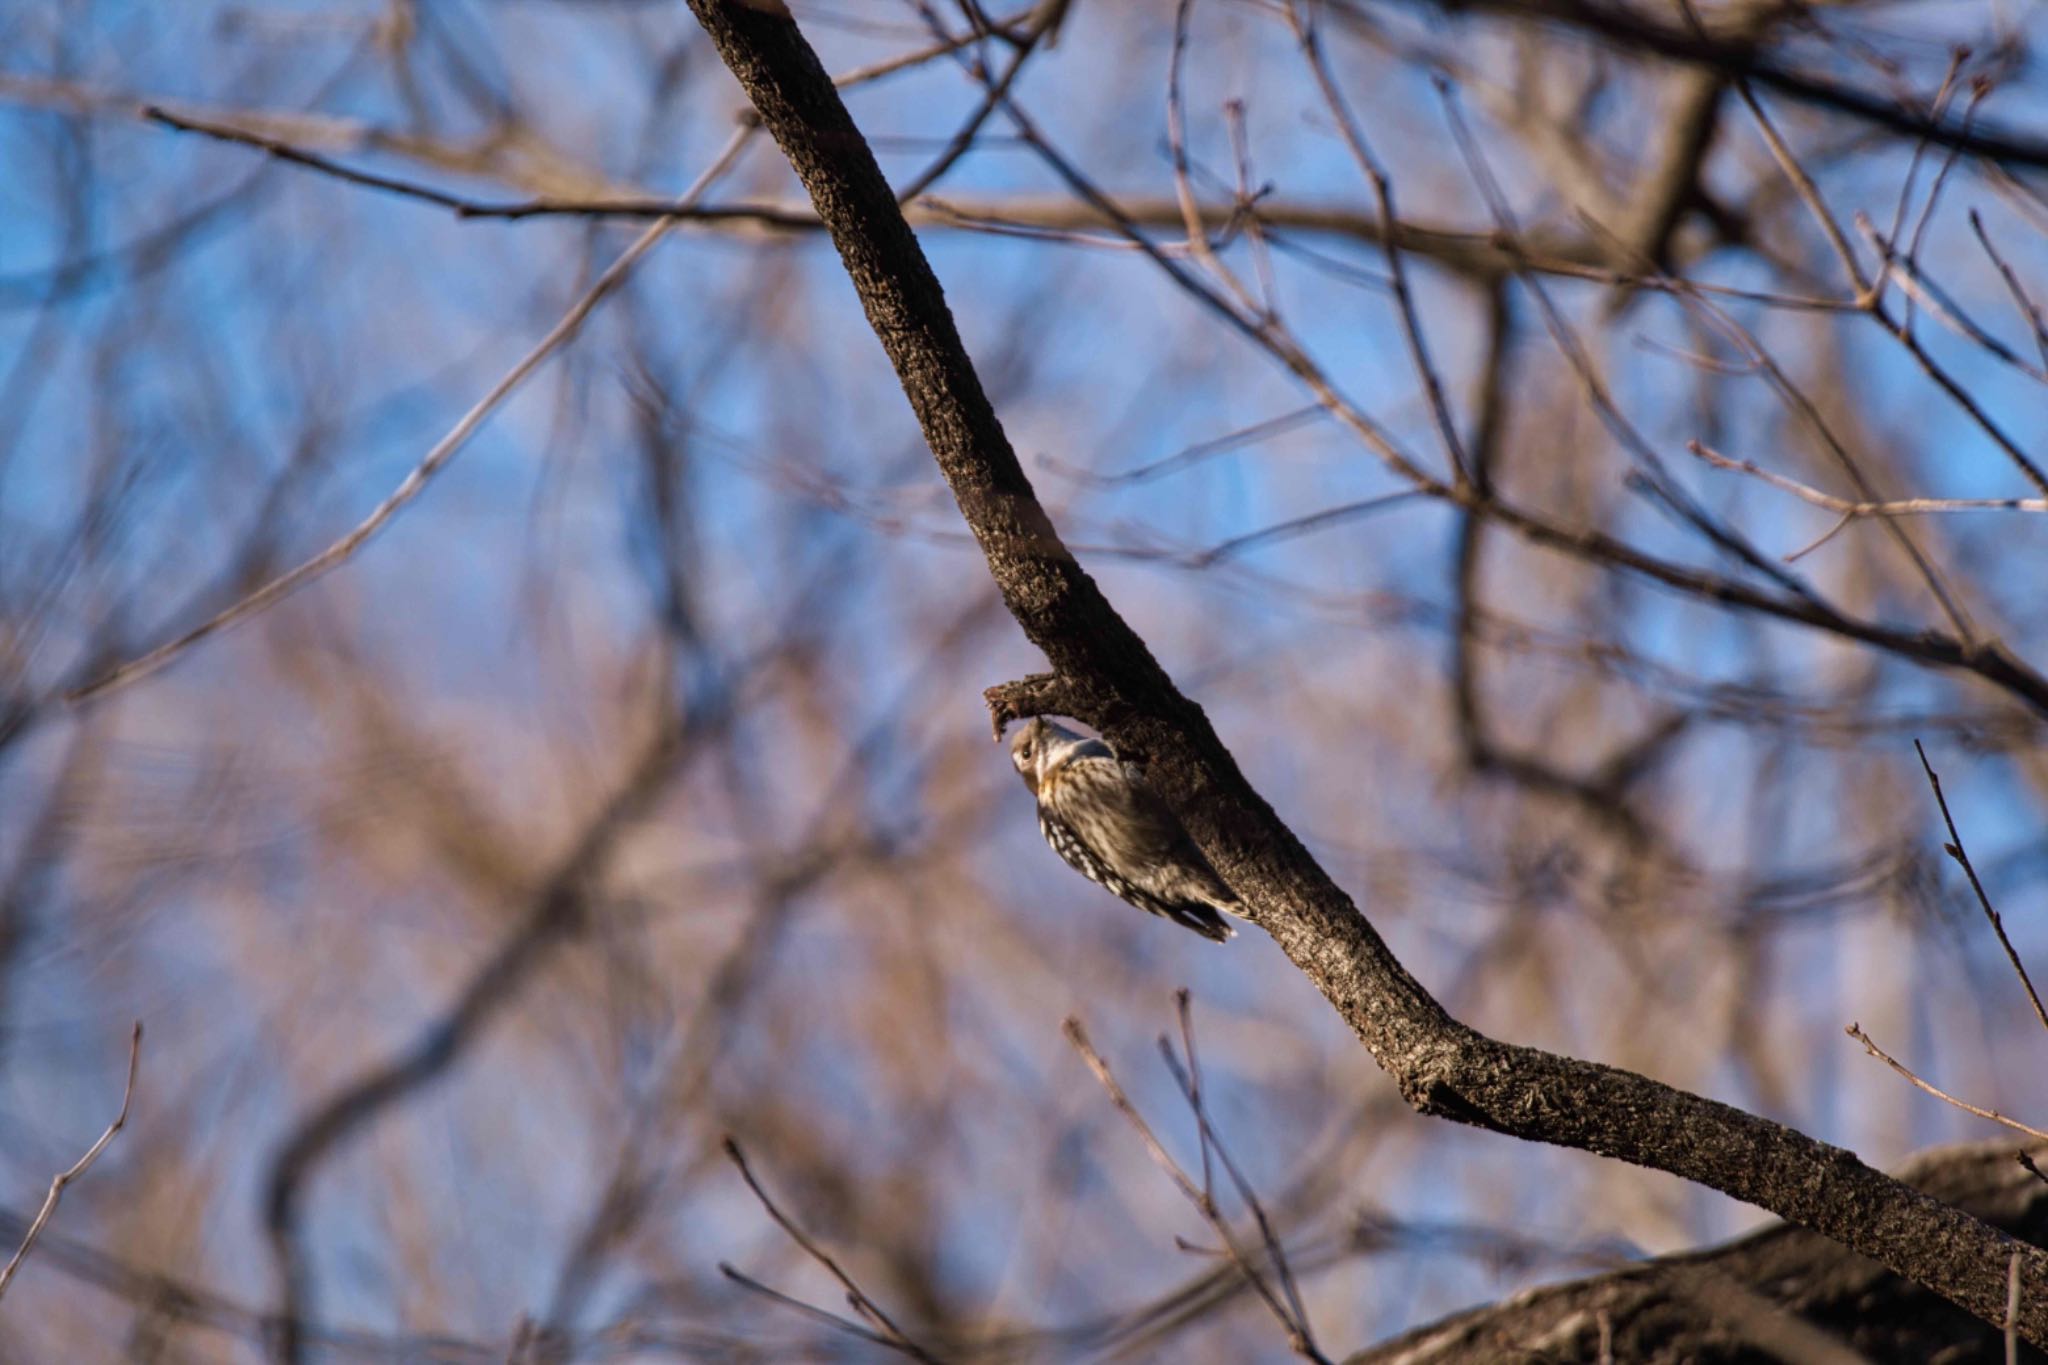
1118 832
1124 820
1109 805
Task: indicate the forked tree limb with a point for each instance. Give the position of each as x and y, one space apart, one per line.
1104 675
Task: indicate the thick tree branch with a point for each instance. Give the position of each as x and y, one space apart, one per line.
1041 694
1735 56
1442 1067
1780 1293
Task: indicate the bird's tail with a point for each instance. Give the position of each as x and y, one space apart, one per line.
1201 917
1226 900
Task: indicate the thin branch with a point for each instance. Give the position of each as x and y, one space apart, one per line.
1856 1031
1954 849
463 206
1297 1330
285 151
1297 526
944 47
2019 294
1201 450
1190 1083
1920 288
1869 300
963 137
1041 694
1478 255
1809 194
855 1295
1979 88
1936 108
1183 1003
1853 508
1457 250
1383 195
2029 468
79 1167
809 1310
1192 223
1794 398
1841 525
1247 207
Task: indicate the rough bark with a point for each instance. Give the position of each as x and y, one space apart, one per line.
1104 675
1781 1293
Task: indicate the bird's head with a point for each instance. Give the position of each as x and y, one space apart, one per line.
1039 747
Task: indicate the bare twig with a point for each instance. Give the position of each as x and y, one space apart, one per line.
769 215
1823 538
1937 107
1920 288
1249 313
1721 321
79 1167
1856 1031
1199 451
1854 508
1296 526
797 1305
1189 1081
1954 849
2029 468
963 137
298 156
1870 301
1383 195
2019 294
1979 89
1247 208
1809 194
1183 1003
943 47
855 1295
1283 1308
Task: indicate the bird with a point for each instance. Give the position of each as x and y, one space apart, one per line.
1098 814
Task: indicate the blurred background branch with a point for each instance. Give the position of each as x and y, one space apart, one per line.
1592 791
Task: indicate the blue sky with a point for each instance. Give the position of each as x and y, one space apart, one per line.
260 884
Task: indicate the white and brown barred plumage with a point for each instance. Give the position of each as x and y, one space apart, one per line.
1098 814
